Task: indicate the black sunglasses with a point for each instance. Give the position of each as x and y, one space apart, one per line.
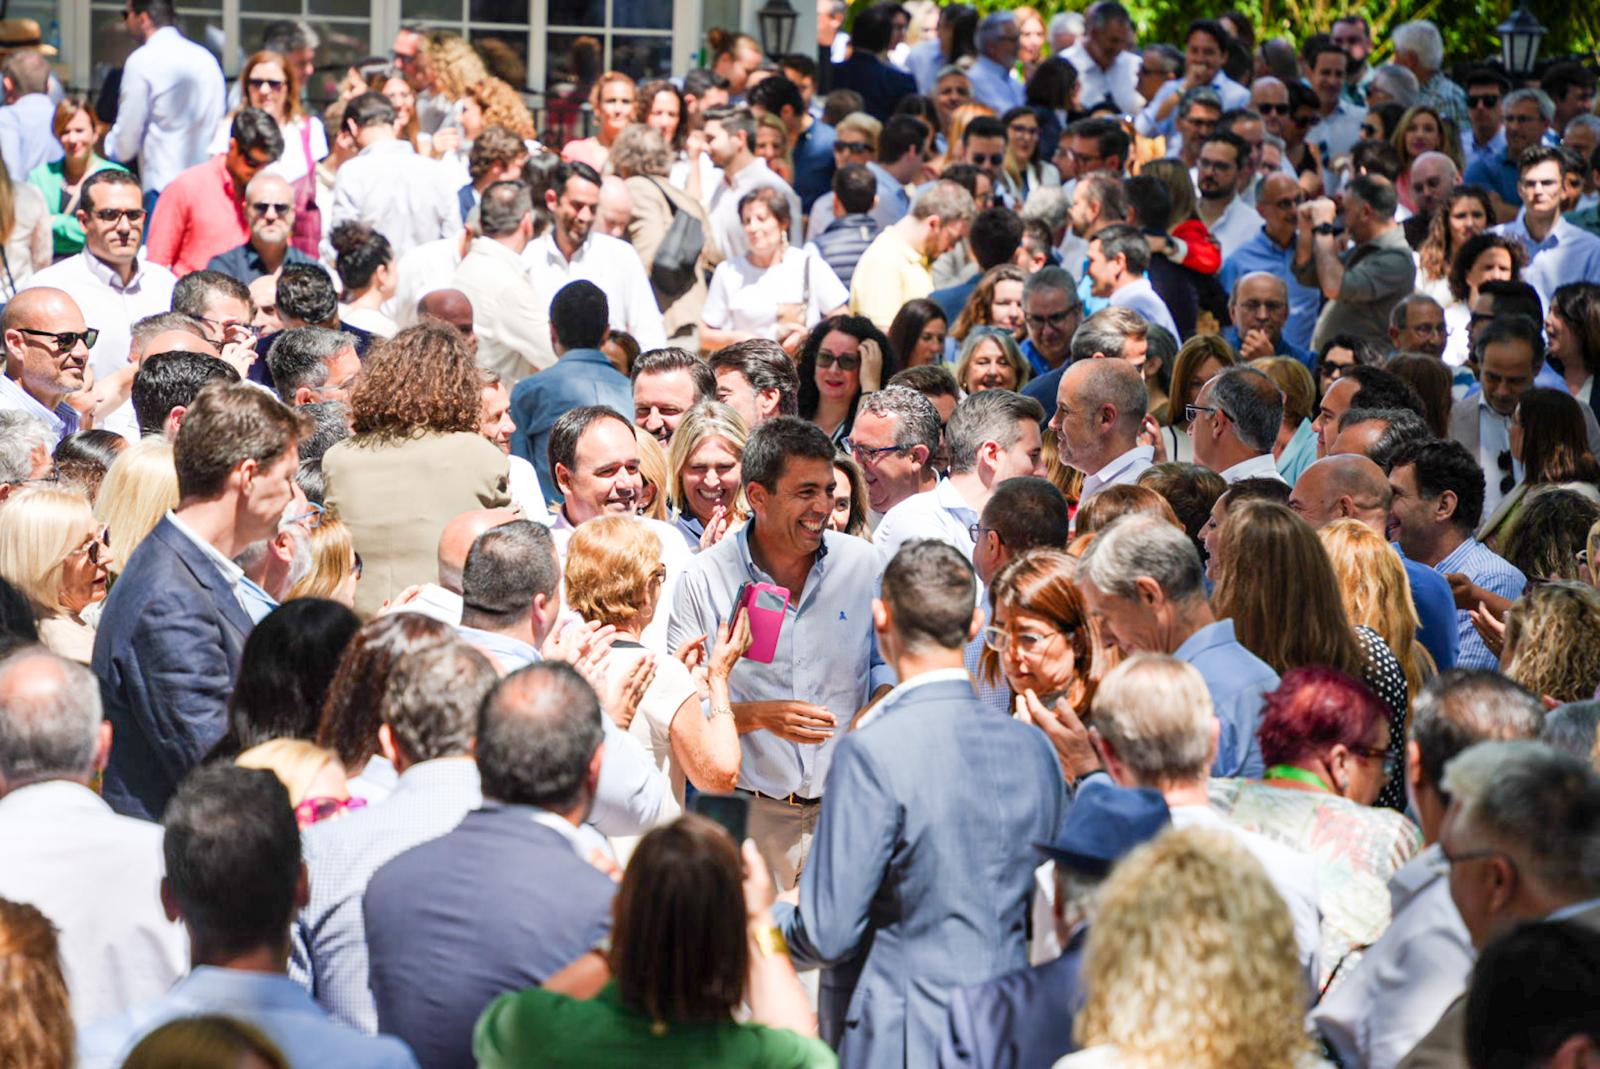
1273 109
262 207
267 83
112 215
978 159
1509 478
67 339
851 146
1483 100
845 363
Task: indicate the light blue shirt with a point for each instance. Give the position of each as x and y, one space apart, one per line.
275 1004
1568 253
826 652
893 200
63 419
510 653
995 86
925 61
1493 573
1143 298
27 139
1299 454
1232 93
1471 150
994 697
1336 134
941 513
1261 253
256 601
1238 681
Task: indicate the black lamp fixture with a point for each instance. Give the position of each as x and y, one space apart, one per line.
777 20
1520 36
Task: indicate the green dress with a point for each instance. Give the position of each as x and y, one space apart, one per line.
541 1028
50 179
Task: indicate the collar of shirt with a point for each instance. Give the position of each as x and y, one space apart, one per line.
107 276
1456 558
1567 912
1497 143
210 986
904 249
63 419
1108 474
397 147
751 175
756 572
1561 231
231 572
514 650
1217 633
546 253
55 799
938 675
1261 466
439 773
561 826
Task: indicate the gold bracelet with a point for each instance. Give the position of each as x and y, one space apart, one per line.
769 940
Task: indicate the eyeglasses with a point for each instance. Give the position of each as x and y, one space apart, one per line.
1083 157
267 83
1391 761
310 519
1023 131
978 159
1287 204
1471 855
851 146
1483 100
1192 412
975 532
1269 307
1272 109
66 340
233 325
868 454
256 164
263 207
844 363
100 540
355 568
1026 642
114 215
1054 320
1329 370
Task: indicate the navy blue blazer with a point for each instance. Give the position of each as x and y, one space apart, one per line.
498 904
954 298
580 377
166 654
1022 1020
467 201
921 872
881 86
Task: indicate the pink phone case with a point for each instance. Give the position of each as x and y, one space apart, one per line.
765 605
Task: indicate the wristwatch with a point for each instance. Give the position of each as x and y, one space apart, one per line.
1327 229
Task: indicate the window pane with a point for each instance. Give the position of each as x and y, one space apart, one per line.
642 57
577 13
341 45
572 64
267 7
512 12
431 9
642 14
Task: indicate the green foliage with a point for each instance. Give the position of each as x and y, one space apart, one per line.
1467 26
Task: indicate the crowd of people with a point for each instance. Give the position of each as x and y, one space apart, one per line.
997 544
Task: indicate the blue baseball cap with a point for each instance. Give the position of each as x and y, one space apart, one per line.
1104 823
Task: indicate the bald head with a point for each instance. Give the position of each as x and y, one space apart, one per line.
1433 176
616 207
1099 406
43 308
1343 487
456 542
50 720
46 370
453 307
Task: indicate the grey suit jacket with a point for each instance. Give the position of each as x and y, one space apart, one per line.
921 871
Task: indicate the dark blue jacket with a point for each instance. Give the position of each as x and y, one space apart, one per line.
580 377
1021 1020
880 85
166 654
954 298
498 904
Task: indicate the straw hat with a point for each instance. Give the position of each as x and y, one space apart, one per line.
23 34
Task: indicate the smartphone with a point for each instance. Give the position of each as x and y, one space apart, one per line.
732 811
765 604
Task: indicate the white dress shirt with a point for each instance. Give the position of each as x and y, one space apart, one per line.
1257 467
722 207
1238 224
745 297
941 514
97 876
409 199
111 308
1142 297
611 264
423 270
171 101
1119 83
510 317
1124 470
1405 980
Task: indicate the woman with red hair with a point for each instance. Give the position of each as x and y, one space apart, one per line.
1325 739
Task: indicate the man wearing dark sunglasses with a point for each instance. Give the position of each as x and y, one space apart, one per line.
47 355
1486 135
269 204
203 209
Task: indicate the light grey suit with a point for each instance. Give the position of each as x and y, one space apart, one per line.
920 875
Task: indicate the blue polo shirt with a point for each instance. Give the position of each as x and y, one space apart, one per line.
1496 171
1261 253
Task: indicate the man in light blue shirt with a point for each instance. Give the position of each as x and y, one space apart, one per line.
235 878
1118 259
824 666
1558 252
27 135
1143 582
1205 47
46 352
993 83
1272 250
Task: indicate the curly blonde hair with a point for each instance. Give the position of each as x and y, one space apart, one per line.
456 64
502 105
1377 594
611 562
1552 644
1191 960
35 1018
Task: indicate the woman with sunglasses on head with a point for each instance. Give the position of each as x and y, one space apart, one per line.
78 129
1325 739
844 357
271 83
53 550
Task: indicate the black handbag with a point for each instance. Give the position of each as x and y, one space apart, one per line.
677 258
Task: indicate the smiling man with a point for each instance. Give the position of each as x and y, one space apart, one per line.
201 213
269 200
826 667
47 351
895 438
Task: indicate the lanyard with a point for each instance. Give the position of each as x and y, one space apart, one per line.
1299 775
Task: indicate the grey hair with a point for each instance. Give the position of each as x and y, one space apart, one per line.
1200 94
1590 122
949 70
1107 332
640 150
1048 204
947 200
1461 707
432 700
1248 276
301 560
1172 59
289 35
1051 279
47 732
1398 82
1402 308
1253 402
1403 427
21 435
1118 383
1122 239
988 416
918 419
1141 546
1423 38
299 357
1106 11
145 329
1066 22
990 28
1156 713
503 207
1539 805
1547 107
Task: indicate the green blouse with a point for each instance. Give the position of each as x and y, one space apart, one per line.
541 1028
50 179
